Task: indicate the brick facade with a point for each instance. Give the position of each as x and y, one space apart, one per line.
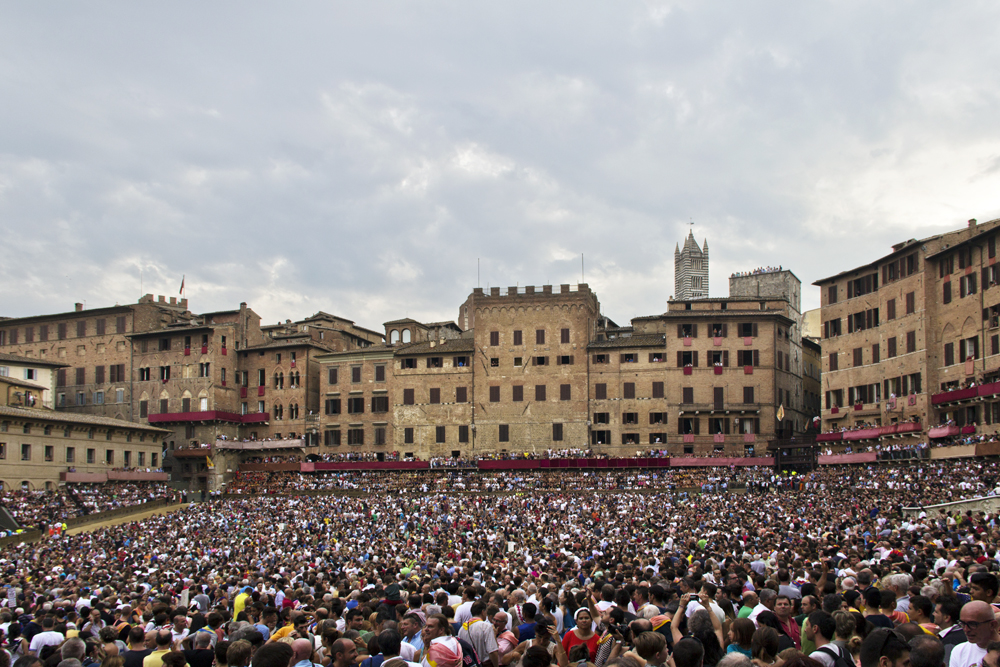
910 324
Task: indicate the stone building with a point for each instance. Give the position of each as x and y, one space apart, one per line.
691 270
902 332
40 447
40 373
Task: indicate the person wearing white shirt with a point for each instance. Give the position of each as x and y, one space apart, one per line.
766 603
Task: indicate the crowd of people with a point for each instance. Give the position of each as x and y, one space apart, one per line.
815 570
359 456
756 272
39 509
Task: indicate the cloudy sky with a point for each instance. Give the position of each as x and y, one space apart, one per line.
362 157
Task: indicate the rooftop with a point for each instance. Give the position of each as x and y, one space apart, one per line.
68 418
29 361
449 345
22 383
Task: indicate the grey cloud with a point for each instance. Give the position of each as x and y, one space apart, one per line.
360 159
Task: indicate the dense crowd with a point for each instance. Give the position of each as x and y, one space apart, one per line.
756 272
821 569
36 509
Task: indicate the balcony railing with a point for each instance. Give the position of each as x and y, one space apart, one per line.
968 394
209 416
286 443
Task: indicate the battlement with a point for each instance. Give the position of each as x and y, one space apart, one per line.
162 300
532 290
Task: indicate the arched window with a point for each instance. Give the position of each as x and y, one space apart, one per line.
278 412
293 410
406 335
393 336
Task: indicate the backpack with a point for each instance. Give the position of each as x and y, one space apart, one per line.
838 659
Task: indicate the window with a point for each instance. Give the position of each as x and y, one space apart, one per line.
748 395
861 286
946 296
564 360
435 362
25 452
503 434
564 392
408 435
355 436
116 372
408 397
81 376
628 390
657 417
630 358
600 391
687 394
434 395
890 309
49 452
332 406
970 348
332 376
687 359
109 456
748 357
164 373
540 361
355 406
539 392
518 338
70 454
518 362
463 433
61 331
748 329
165 406
540 337
517 393
164 344
407 363
495 394
911 341
380 404
91 456
564 337
834 365
460 362
831 328
144 375
461 394
494 338
949 354
601 358
80 398
98 398
119 395
687 330
858 357
439 434
865 319
602 418
143 409
967 285
911 303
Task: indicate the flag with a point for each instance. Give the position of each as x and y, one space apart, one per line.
210 464
182 284
781 412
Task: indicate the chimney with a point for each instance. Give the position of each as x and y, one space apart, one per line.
79 307
972 223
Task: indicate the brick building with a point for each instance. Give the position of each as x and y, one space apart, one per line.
898 332
95 348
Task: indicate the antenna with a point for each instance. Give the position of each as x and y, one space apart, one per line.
583 275
479 279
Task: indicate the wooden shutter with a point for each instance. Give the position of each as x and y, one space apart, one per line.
564 392
494 394
435 394
717 395
697 425
461 395
756 356
408 397
680 359
564 336
688 394
518 393
600 391
628 390
494 338
694 331
725 358
754 329
680 331
539 392
518 338
657 390
694 358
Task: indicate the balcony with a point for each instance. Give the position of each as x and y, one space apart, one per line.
836 436
209 416
257 445
742 408
969 394
863 434
944 431
113 475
